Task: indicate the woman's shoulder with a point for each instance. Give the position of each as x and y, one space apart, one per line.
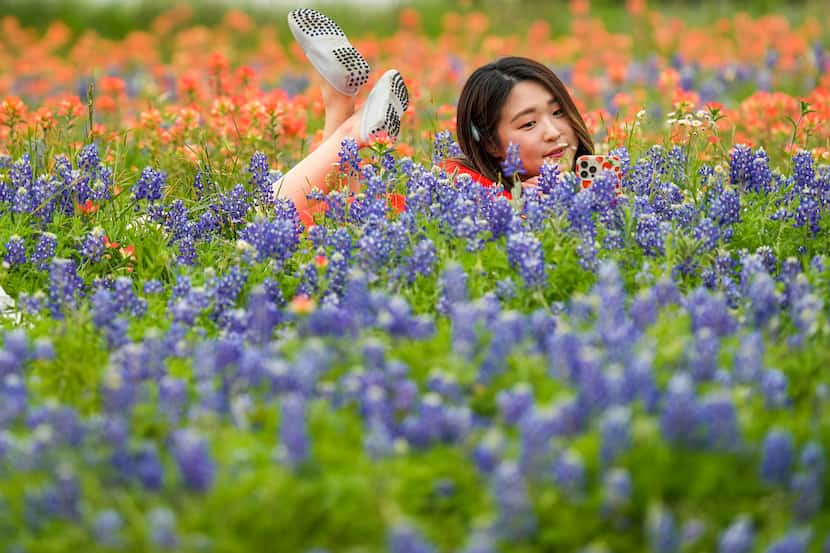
454 165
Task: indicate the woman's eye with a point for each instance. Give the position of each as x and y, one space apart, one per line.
528 125
559 112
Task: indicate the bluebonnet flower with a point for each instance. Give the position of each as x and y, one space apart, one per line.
739 537
740 163
194 460
349 156
394 315
617 489
453 285
161 526
808 212
644 309
803 170
569 473
318 235
207 225
703 357
705 172
641 177
172 398
724 206
187 256
15 251
44 250
793 542
760 174
22 201
88 158
661 529
718 414
524 252
14 400
203 177
234 204
651 234
515 511
104 317
709 310
512 164
405 539
107 526
680 419
295 448
487 452
444 147
480 542
506 289
580 214
773 384
65 286
150 185
153 286
423 260
615 434
809 495
777 458
707 233
537 428
260 181
60 500
146 466
625 161
813 459
514 403
272 238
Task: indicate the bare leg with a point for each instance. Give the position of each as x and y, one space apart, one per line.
313 170
338 108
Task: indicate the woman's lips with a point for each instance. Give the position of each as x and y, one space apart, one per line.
556 153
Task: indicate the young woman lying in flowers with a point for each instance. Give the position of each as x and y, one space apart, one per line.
513 101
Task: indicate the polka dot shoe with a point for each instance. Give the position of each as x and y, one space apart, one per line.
329 51
384 107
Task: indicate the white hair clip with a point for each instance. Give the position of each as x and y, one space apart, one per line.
476 136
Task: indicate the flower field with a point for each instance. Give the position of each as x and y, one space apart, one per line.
189 364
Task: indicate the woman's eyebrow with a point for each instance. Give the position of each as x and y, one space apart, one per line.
531 110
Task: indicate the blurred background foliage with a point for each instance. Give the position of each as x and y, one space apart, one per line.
114 20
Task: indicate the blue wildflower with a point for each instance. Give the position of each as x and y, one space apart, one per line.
15 251
107 526
739 537
777 458
194 460
150 185
524 252
295 448
512 164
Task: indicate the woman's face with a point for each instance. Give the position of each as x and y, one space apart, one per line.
533 119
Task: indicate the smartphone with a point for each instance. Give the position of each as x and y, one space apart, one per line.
589 166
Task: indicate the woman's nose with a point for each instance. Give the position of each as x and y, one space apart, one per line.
553 129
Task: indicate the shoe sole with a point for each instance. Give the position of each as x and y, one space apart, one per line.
383 109
308 26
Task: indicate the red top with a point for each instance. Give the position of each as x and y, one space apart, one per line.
452 166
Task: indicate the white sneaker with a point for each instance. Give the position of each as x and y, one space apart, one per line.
384 107
329 51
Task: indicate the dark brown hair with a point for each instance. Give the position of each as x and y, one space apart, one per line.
481 102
